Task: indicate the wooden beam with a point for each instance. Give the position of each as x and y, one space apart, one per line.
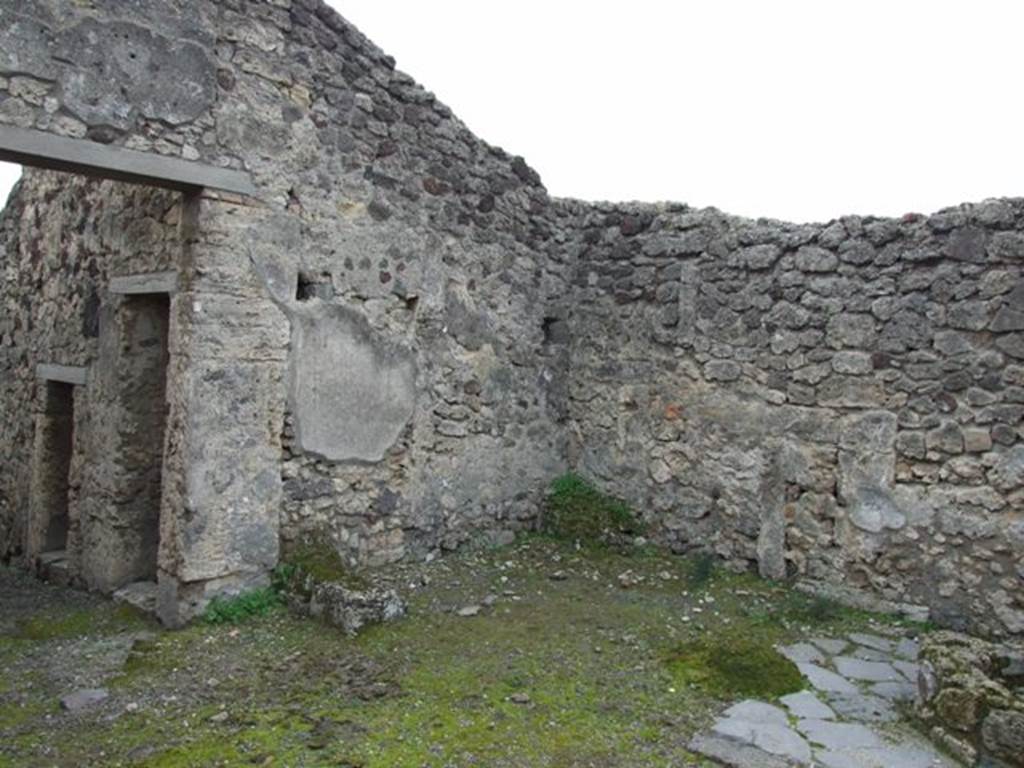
149 283
68 374
58 153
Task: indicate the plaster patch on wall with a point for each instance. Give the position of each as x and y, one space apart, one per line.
352 392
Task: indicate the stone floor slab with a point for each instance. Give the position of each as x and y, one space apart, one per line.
831 646
805 704
908 649
802 652
908 669
872 641
733 754
868 671
839 736
780 740
756 712
883 757
825 679
895 691
863 707
870 654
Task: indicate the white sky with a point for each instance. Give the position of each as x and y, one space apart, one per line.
794 109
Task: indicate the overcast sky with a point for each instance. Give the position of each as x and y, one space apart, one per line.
791 109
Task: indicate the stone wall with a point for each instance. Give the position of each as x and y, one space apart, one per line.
63 240
392 287
413 262
59 61
841 402
400 339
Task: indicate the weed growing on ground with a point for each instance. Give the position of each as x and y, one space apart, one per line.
232 610
577 511
701 570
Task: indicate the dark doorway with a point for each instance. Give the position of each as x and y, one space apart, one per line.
58 429
143 397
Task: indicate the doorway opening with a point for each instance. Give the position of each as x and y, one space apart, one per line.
143 397
58 430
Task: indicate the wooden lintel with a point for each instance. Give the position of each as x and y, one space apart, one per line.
67 374
59 153
149 283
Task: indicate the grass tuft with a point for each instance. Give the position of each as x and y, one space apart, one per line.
232 610
577 511
701 571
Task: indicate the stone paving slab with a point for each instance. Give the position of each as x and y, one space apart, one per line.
734 754
909 670
870 654
895 691
826 680
908 648
806 705
839 736
831 645
756 712
859 669
873 641
774 738
864 707
802 653
884 757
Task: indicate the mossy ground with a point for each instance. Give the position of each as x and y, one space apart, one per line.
567 671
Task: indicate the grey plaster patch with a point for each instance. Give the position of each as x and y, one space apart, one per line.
25 46
353 392
805 704
128 54
826 680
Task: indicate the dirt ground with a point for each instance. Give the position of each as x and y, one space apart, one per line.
534 654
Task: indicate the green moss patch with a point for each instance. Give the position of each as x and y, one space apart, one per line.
735 665
319 561
60 625
576 510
